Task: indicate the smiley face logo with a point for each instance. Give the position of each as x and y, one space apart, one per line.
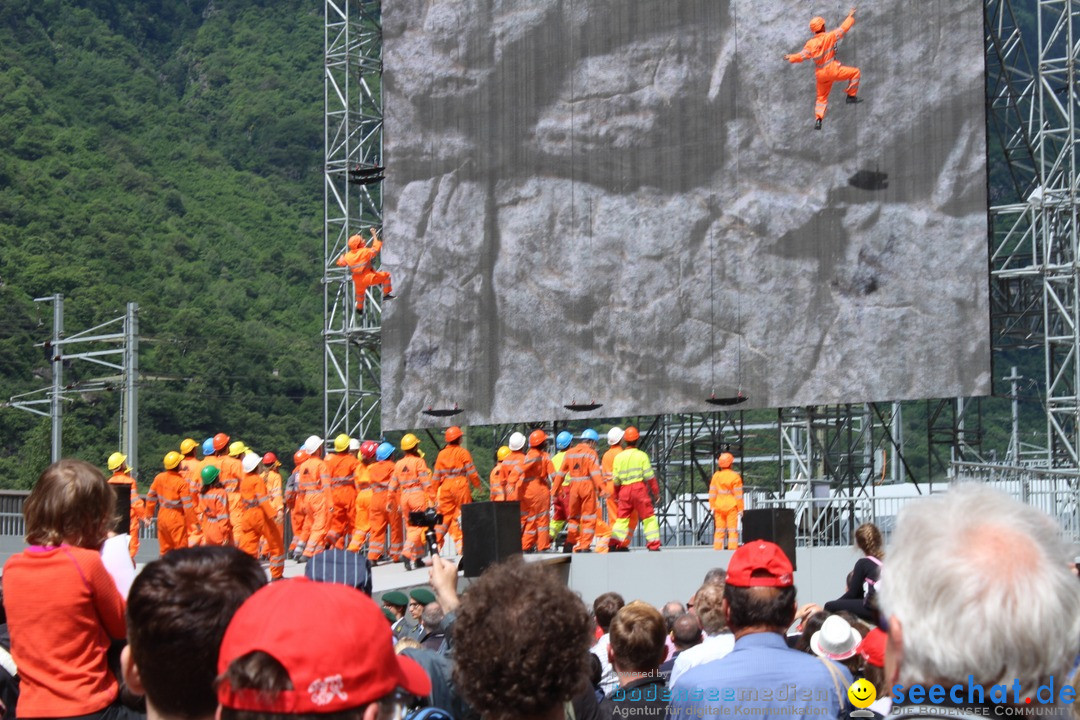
862 693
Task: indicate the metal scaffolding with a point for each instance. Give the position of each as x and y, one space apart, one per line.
352 204
1033 256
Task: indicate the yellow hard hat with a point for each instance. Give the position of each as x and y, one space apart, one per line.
116 460
409 441
341 443
237 448
503 453
187 445
172 459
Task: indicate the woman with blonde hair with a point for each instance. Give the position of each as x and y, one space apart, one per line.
860 596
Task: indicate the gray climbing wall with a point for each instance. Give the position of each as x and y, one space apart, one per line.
624 202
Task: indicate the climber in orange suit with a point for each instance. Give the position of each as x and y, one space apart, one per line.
177 515
726 501
358 259
257 520
454 472
827 69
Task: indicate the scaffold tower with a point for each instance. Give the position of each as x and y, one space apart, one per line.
352 204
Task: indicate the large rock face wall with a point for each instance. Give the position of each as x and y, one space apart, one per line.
625 202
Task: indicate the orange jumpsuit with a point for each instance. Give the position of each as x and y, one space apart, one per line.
514 468
257 521
413 480
177 515
272 478
603 529
232 469
137 509
362 509
296 518
454 472
726 501
536 499
190 467
384 500
827 69
342 467
214 516
315 503
358 259
581 470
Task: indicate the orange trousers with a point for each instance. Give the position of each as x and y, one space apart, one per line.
414 500
382 520
236 513
367 278
255 525
581 514
316 516
341 521
452 495
171 530
296 521
825 78
362 521
535 506
726 520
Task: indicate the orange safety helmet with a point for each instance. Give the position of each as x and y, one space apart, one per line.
220 441
300 457
453 433
270 460
631 434
817 24
725 460
537 438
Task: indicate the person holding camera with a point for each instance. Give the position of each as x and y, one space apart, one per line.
412 476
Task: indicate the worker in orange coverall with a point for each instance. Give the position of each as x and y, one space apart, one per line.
515 464
454 473
362 512
342 466
607 462
581 472
257 520
637 488
505 476
118 464
726 501
358 258
294 502
313 484
190 467
177 515
535 495
821 48
274 488
213 509
412 477
231 471
560 496
384 506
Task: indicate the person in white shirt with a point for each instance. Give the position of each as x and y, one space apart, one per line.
718 639
604 609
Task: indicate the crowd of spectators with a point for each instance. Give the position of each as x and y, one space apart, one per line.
976 592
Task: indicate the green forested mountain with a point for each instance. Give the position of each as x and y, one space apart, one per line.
166 152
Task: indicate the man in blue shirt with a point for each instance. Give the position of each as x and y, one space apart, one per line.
761 677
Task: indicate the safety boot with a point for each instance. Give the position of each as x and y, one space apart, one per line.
853 100
817 124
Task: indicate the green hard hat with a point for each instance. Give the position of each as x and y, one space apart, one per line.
209 474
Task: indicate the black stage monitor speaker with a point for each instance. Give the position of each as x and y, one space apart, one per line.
123 509
491 532
776 525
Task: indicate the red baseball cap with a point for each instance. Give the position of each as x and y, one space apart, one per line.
332 640
872 647
760 563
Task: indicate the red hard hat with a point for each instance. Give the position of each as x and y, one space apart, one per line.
368 448
220 441
453 433
537 438
269 459
299 457
631 434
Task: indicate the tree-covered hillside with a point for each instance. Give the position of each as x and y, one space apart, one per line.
166 152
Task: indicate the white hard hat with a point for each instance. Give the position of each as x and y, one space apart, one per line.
614 436
354 445
251 461
517 441
312 445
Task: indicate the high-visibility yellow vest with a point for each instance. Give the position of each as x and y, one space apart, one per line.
631 466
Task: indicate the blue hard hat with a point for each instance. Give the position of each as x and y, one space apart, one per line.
590 434
208 446
384 451
562 440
